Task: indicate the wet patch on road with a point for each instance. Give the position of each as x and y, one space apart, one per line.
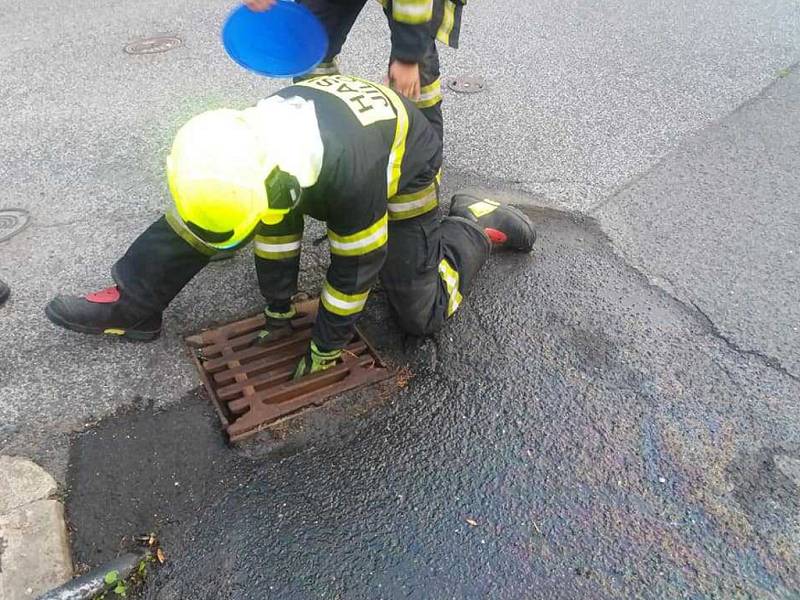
760 483
146 470
143 470
574 432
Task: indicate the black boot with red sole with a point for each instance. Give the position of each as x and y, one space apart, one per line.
104 312
505 226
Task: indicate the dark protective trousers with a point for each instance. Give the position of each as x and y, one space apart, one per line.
338 17
430 266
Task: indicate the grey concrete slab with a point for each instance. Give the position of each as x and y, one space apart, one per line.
34 550
23 482
718 222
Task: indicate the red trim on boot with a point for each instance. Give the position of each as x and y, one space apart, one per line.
106 296
496 236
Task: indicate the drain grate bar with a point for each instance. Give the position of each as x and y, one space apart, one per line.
259 378
252 386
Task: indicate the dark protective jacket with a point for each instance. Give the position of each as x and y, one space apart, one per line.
380 162
413 22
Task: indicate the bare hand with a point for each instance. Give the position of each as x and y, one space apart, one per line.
404 78
260 5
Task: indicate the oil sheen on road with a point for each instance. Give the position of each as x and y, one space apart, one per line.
574 432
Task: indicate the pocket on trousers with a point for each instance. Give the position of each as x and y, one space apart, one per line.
431 255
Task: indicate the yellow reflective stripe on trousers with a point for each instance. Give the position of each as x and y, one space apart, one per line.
412 12
406 206
277 247
430 95
448 22
180 228
450 277
342 304
361 242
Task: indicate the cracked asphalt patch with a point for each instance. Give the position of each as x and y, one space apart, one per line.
717 220
575 431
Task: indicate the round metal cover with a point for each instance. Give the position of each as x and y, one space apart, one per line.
12 221
154 45
466 85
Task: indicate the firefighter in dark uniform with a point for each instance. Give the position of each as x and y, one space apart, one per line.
415 27
339 149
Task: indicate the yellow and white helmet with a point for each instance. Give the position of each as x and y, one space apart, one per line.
217 171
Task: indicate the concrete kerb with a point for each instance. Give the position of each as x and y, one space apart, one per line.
34 547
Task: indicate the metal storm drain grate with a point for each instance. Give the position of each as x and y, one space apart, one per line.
12 221
154 45
466 85
252 386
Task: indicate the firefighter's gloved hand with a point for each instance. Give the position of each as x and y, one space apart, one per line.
316 360
278 326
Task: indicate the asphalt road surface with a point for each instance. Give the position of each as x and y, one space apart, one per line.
617 415
576 432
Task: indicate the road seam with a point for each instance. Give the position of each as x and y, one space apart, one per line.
689 304
692 309
761 95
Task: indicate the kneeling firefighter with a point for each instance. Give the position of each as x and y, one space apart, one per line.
341 150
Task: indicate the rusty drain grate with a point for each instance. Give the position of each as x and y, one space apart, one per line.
252 387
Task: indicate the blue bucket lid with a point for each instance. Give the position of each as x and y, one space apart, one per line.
284 41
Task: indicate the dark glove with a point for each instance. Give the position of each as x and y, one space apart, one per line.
316 360
278 326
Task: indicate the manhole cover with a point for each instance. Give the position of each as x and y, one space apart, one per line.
12 221
154 45
466 85
252 386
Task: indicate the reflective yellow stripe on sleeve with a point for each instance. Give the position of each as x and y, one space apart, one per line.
450 277
406 206
278 247
394 167
430 95
412 12
342 304
361 242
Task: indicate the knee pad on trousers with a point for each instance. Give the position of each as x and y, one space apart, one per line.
418 325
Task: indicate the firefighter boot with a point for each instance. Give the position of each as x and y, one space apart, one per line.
104 312
505 226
